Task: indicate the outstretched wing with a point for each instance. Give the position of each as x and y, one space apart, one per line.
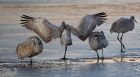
41 26
88 24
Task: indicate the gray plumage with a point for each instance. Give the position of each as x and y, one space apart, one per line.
65 38
97 41
29 48
42 27
123 25
87 25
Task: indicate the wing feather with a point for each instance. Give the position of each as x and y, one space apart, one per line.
41 26
88 24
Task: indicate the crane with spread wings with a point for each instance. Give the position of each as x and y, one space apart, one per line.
48 31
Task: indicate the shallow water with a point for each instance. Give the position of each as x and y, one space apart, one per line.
75 70
12 34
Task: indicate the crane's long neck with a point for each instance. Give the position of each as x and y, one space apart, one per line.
60 30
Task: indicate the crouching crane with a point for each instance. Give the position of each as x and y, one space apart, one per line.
29 48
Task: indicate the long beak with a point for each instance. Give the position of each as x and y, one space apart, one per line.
135 21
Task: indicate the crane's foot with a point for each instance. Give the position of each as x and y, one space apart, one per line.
97 61
102 58
122 59
122 56
64 58
123 51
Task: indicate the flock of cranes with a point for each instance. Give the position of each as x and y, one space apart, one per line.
48 31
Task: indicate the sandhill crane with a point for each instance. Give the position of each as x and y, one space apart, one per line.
47 31
87 25
97 40
29 48
66 38
123 25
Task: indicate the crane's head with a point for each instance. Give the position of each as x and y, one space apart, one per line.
65 26
133 18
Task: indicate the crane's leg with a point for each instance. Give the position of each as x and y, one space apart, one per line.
122 43
97 56
120 40
102 54
64 58
118 36
31 62
122 47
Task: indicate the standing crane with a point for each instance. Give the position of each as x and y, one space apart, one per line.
66 39
97 40
122 26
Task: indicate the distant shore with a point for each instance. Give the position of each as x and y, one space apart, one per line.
70 12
